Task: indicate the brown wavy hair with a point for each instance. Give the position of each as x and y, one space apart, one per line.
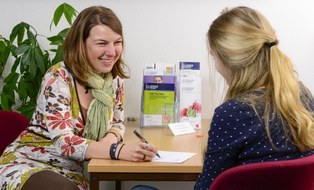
75 57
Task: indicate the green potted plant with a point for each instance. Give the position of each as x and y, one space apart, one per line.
24 61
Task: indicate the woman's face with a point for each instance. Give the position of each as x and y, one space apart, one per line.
221 68
103 47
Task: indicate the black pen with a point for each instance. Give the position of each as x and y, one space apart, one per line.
143 139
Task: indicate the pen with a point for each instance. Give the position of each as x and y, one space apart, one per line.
143 139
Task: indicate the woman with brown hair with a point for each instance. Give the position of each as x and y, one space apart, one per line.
79 113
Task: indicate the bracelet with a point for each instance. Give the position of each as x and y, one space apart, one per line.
113 149
113 134
120 151
118 131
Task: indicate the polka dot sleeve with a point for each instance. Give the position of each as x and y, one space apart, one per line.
232 127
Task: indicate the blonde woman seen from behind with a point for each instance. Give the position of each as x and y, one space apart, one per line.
267 113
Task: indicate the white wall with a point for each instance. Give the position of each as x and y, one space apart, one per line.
172 31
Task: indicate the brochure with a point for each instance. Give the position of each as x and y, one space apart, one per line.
158 101
190 93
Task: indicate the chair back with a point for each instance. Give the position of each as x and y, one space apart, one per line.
11 125
297 174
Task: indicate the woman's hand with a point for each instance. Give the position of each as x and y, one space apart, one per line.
138 152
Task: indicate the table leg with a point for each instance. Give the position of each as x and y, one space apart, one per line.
94 182
118 185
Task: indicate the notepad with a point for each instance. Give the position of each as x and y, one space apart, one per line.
173 157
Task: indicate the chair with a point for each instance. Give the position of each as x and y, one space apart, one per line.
295 174
11 125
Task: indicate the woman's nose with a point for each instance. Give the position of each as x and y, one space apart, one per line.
110 50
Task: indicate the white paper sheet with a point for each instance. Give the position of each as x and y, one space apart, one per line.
173 157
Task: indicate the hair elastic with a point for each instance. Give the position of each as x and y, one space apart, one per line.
271 44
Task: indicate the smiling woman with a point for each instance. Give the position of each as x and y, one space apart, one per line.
103 48
79 113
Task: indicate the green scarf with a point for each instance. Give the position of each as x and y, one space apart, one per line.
99 110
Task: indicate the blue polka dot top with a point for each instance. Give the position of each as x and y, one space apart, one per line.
237 136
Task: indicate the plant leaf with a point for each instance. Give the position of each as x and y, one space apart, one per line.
57 15
11 80
6 101
9 87
22 32
5 49
47 60
22 49
27 109
55 40
63 32
39 58
69 13
18 31
25 59
64 9
31 38
32 64
16 64
59 55
22 89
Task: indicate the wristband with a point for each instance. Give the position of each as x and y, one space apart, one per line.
113 149
120 151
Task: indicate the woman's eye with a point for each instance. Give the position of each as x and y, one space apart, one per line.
118 42
102 44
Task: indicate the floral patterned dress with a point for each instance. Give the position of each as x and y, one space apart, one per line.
53 139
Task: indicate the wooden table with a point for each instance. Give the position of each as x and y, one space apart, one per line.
118 170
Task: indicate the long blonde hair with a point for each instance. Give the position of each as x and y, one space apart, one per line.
247 45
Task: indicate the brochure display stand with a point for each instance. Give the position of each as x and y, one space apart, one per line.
158 103
167 98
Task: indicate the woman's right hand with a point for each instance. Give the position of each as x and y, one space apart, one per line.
138 152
